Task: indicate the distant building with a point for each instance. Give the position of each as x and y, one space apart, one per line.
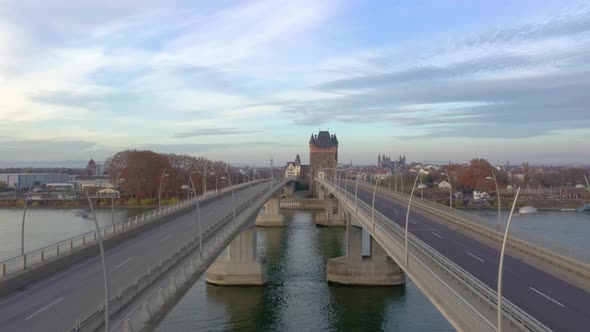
323 153
444 185
293 168
23 181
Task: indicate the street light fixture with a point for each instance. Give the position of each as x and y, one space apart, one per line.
373 205
233 200
104 267
420 186
164 175
113 199
493 177
22 232
501 265
450 188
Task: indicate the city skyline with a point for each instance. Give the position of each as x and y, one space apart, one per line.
450 80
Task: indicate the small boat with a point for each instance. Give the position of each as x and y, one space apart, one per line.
527 210
585 208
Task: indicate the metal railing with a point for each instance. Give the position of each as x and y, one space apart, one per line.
569 258
140 315
32 259
418 269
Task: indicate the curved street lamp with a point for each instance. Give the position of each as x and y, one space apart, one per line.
233 200
450 188
493 177
198 216
356 188
164 175
113 199
373 204
104 267
420 186
501 265
22 232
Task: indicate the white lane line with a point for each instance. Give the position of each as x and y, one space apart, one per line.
437 235
122 263
47 306
472 255
412 221
394 211
546 296
165 238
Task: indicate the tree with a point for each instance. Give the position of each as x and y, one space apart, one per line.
474 176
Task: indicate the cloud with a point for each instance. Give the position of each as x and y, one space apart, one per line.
213 132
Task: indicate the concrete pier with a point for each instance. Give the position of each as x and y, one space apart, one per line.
240 265
270 215
331 217
356 269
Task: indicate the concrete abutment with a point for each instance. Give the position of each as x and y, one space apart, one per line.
239 266
366 262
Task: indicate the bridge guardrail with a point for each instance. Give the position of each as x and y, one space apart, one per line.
19 264
478 322
544 249
141 314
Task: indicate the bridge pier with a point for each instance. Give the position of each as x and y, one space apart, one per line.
331 218
240 266
366 262
288 190
271 217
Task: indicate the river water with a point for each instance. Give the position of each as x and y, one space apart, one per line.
298 297
46 226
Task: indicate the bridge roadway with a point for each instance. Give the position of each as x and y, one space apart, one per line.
552 301
55 304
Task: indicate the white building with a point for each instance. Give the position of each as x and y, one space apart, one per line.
444 185
292 170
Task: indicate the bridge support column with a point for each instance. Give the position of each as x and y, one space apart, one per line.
289 190
331 218
239 266
271 217
362 268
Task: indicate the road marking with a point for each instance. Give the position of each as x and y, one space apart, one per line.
412 221
47 306
394 211
437 235
165 238
123 262
479 259
546 296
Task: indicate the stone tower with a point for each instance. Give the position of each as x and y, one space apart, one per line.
323 153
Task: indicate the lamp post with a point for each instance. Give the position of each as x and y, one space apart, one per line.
22 232
587 185
421 186
401 177
373 205
356 189
450 188
501 265
164 175
233 200
113 199
493 177
104 267
198 217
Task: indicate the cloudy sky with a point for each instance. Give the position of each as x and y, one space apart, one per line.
239 81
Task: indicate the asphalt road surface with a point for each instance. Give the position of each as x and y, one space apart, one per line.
552 301
56 303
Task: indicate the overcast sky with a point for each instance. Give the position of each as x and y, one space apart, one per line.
239 81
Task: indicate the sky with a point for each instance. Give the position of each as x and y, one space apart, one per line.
241 81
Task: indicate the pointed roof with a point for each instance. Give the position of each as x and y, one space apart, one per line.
324 140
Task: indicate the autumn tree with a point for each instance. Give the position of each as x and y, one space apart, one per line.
474 176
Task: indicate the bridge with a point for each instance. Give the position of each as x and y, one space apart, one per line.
154 258
454 261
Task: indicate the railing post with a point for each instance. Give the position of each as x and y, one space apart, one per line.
3 269
94 235
71 244
83 240
57 250
42 255
24 261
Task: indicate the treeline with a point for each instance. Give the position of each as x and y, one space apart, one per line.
143 171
